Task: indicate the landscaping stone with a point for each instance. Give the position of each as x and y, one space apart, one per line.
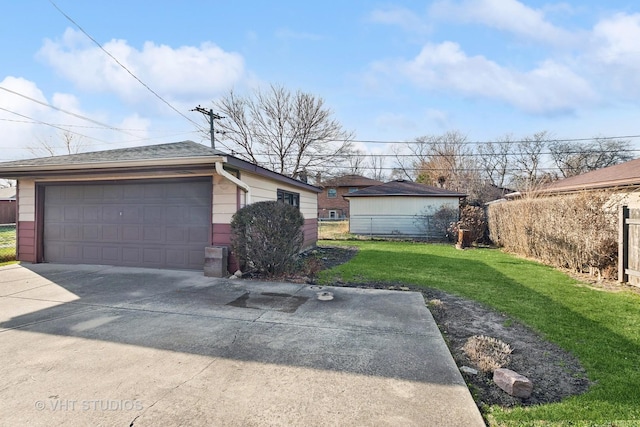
468 370
513 383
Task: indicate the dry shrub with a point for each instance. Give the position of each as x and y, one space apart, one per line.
487 353
472 218
576 231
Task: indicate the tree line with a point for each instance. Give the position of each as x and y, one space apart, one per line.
296 134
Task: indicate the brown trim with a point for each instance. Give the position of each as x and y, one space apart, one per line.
39 223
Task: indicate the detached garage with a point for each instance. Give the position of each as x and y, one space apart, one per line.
154 206
399 209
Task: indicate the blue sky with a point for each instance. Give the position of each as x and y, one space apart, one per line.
390 70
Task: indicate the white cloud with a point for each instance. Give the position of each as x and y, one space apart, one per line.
613 55
547 89
394 121
185 73
400 16
505 15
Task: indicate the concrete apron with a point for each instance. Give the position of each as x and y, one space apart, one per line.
98 345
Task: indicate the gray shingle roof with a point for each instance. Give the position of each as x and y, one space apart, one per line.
350 181
404 188
162 151
624 174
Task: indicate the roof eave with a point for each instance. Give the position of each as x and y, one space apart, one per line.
124 164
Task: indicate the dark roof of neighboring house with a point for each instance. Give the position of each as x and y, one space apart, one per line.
622 175
404 188
8 193
350 181
174 153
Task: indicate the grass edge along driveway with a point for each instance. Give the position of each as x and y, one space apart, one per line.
602 329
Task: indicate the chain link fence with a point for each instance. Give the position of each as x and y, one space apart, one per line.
7 242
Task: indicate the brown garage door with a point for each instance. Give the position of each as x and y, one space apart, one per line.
159 224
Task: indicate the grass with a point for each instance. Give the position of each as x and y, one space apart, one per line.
7 243
602 329
333 230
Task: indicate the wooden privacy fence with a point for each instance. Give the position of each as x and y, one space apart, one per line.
629 245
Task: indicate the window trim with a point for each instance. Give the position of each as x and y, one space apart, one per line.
330 191
288 197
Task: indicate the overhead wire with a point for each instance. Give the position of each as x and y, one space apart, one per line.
123 66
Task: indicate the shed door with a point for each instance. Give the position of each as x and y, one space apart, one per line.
159 224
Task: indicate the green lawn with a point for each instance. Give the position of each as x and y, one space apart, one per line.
602 329
7 243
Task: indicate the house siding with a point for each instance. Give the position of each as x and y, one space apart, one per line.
394 216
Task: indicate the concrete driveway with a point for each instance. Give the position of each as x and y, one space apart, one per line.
112 346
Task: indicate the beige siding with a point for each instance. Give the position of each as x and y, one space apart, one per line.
395 216
26 200
398 205
225 200
263 189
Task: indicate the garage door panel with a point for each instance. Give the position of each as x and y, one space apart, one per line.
112 192
90 232
131 233
110 214
72 232
153 224
90 214
110 233
131 255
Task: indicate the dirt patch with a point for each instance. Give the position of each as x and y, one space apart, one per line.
555 373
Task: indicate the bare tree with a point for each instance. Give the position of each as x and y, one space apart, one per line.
376 166
66 142
573 158
445 161
356 162
493 158
290 133
528 160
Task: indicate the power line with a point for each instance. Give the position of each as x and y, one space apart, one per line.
104 125
52 125
123 66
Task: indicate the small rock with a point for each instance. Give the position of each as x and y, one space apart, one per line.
513 383
404 288
233 277
238 273
468 370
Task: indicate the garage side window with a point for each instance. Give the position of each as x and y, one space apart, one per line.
289 198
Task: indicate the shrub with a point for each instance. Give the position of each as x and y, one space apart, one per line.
437 224
266 237
472 218
487 353
576 231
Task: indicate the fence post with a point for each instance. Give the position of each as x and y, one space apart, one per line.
623 244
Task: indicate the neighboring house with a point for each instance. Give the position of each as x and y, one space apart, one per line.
331 204
624 178
8 205
399 208
156 206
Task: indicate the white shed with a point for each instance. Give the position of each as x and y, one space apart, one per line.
400 209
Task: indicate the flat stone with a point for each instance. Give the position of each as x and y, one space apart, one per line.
513 383
468 370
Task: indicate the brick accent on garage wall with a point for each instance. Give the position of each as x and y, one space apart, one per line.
26 233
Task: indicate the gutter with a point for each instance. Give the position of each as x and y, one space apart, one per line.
220 170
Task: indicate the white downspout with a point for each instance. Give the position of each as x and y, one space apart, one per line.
220 170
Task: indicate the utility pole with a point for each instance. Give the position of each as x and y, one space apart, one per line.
211 117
